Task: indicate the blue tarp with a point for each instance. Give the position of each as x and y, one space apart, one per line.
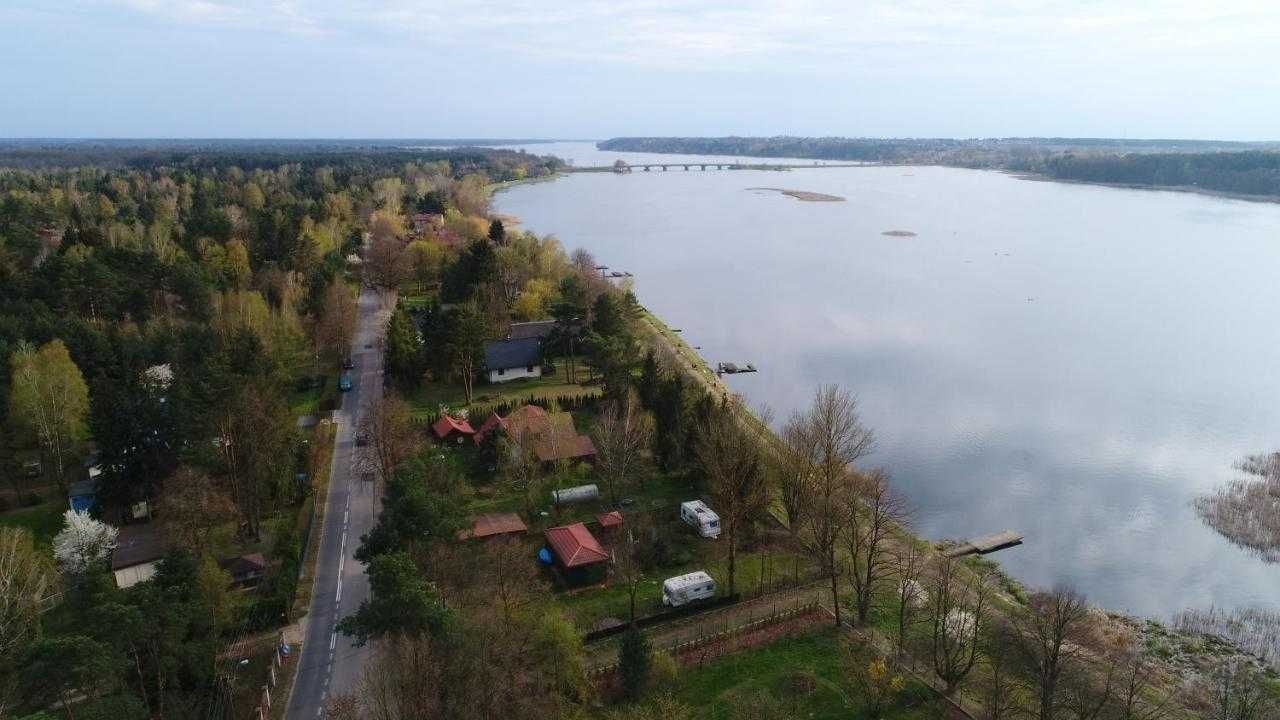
544 556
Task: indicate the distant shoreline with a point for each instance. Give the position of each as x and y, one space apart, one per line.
804 195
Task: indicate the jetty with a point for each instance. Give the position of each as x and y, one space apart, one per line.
985 544
728 368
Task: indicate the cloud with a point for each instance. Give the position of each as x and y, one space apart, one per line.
800 35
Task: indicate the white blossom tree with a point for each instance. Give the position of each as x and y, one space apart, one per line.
83 542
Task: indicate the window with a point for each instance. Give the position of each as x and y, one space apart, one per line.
529 368
501 371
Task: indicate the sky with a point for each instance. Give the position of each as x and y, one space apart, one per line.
592 69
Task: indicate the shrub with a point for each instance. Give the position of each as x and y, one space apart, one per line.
5 504
32 499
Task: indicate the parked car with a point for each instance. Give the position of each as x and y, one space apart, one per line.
684 589
348 363
697 515
344 382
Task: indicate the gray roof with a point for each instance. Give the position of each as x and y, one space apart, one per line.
537 328
503 354
137 544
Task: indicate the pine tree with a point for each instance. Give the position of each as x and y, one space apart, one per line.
634 659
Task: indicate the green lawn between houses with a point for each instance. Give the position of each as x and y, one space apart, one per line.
43 521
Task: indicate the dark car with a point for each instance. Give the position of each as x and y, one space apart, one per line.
344 382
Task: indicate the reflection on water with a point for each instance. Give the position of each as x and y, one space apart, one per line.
1073 362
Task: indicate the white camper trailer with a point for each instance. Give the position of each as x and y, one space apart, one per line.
684 589
697 515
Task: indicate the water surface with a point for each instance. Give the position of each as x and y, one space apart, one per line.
1073 362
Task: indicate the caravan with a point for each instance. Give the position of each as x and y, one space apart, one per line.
697 515
684 589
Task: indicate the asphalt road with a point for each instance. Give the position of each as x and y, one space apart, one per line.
329 664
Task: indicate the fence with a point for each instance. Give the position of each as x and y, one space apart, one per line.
704 634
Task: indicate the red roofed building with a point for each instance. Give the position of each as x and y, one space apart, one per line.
609 520
577 552
492 524
447 427
552 440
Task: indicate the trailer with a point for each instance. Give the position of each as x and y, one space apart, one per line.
684 589
581 493
697 515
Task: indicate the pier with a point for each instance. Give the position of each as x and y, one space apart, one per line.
985 544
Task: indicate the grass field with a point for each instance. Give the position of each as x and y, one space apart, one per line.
42 521
815 659
433 395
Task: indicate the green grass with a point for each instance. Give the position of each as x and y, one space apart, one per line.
770 670
432 395
42 521
588 607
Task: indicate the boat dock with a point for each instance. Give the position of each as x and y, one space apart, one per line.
985 544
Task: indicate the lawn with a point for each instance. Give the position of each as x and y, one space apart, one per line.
43 521
806 672
587 607
431 396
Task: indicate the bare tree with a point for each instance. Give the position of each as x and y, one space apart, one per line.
1237 690
519 466
628 557
26 588
998 687
731 459
387 263
822 445
336 325
958 600
1048 631
621 437
1089 694
192 508
1134 697
388 425
874 512
911 597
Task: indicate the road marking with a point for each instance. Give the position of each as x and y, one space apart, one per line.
341 558
345 513
333 639
338 597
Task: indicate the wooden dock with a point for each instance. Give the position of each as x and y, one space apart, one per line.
985 544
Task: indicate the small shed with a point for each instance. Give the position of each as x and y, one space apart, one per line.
578 555
138 549
493 525
245 570
609 521
449 427
82 495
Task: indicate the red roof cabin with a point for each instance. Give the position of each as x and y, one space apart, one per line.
492 525
579 556
448 427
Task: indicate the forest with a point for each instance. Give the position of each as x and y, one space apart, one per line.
1236 168
166 315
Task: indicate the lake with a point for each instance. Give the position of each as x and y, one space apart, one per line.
1073 362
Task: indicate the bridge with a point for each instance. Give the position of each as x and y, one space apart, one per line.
686 166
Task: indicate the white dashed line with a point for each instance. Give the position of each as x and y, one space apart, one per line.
333 640
337 598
